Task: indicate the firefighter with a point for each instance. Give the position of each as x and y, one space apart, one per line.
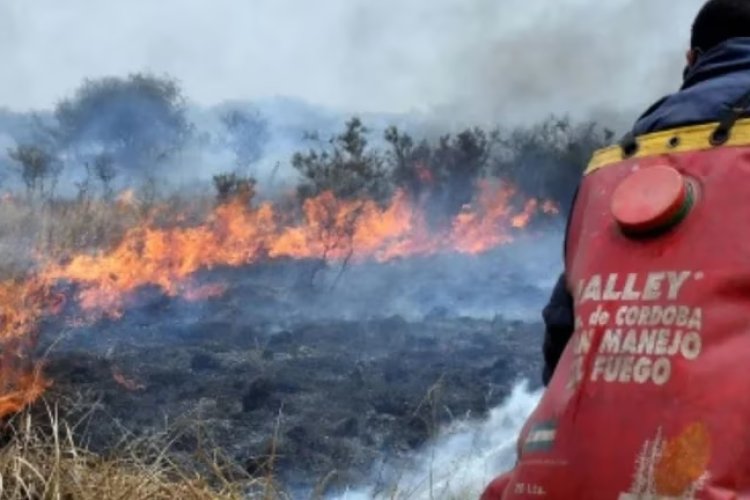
716 74
647 330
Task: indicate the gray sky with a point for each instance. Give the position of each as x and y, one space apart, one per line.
471 59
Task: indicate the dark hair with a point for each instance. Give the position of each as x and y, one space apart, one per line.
718 21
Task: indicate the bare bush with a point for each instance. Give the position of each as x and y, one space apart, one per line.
347 167
247 135
37 167
139 120
546 160
443 176
233 186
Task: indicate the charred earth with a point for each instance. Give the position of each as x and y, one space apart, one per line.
302 371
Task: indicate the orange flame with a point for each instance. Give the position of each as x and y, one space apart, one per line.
21 378
126 382
334 229
234 234
126 198
424 174
199 293
549 207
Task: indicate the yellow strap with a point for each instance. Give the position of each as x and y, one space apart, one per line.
678 140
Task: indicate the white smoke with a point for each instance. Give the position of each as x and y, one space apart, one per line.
472 60
463 460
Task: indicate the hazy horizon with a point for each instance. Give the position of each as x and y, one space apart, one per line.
468 59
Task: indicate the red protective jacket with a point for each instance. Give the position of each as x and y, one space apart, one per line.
648 401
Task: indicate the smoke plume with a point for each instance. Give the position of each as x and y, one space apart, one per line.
463 460
480 60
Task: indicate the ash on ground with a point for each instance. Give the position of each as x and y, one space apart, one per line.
266 369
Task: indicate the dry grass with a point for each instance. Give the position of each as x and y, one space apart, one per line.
41 460
56 229
41 455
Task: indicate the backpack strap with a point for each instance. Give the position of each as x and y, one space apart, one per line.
727 120
720 135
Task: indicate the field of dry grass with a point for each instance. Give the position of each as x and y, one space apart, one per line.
41 454
44 456
34 231
40 459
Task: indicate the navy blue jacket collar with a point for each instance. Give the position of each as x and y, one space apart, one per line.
724 59
717 80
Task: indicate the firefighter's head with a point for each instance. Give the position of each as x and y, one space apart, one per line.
717 22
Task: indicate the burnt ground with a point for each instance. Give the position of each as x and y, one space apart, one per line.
327 395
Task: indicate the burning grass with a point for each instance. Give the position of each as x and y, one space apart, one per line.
93 256
237 233
106 250
81 260
42 459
